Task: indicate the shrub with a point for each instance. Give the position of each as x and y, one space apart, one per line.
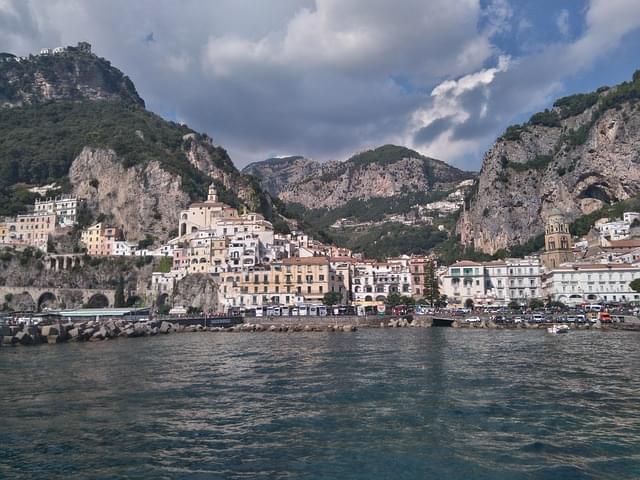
548 118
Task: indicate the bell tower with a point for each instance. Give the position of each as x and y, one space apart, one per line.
557 241
212 196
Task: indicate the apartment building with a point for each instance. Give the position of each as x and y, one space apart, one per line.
100 239
293 280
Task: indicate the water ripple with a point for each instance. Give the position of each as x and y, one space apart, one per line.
432 403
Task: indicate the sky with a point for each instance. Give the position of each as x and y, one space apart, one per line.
329 78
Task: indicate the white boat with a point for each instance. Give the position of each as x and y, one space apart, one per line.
558 329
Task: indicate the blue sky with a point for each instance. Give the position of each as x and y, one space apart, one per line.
329 78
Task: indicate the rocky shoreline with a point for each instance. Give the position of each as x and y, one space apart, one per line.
95 331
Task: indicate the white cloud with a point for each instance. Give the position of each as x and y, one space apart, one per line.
326 77
462 116
562 22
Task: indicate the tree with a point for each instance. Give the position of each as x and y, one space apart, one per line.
331 298
514 305
118 297
431 285
394 299
164 265
635 285
535 304
468 303
407 300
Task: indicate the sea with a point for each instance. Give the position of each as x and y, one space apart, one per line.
412 403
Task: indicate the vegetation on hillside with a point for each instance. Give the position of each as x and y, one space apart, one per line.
605 98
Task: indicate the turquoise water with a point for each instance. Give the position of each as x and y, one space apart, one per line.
397 404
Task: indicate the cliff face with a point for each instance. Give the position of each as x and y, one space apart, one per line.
144 199
577 157
197 290
387 171
71 75
276 174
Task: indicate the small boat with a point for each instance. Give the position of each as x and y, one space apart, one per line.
558 329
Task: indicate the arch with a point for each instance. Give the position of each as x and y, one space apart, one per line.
380 298
194 229
591 296
162 299
368 298
24 302
183 229
98 300
46 300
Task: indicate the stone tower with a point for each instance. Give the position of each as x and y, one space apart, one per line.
212 196
557 241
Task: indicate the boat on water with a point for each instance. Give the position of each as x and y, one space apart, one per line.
558 329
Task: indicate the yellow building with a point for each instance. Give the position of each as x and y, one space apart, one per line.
99 239
207 255
294 280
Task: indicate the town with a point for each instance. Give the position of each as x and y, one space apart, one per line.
256 268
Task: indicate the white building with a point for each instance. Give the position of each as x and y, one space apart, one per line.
65 207
122 248
592 283
373 281
616 230
493 283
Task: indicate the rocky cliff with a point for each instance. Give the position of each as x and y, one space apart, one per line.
197 291
578 156
143 199
387 171
70 75
276 174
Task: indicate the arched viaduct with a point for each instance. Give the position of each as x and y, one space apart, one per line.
37 298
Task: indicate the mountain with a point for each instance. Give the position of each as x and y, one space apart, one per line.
579 156
73 74
275 174
385 172
385 201
74 120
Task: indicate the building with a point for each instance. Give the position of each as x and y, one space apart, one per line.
418 267
84 47
464 280
65 207
592 283
204 215
557 241
616 230
289 282
493 283
100 240
373 281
